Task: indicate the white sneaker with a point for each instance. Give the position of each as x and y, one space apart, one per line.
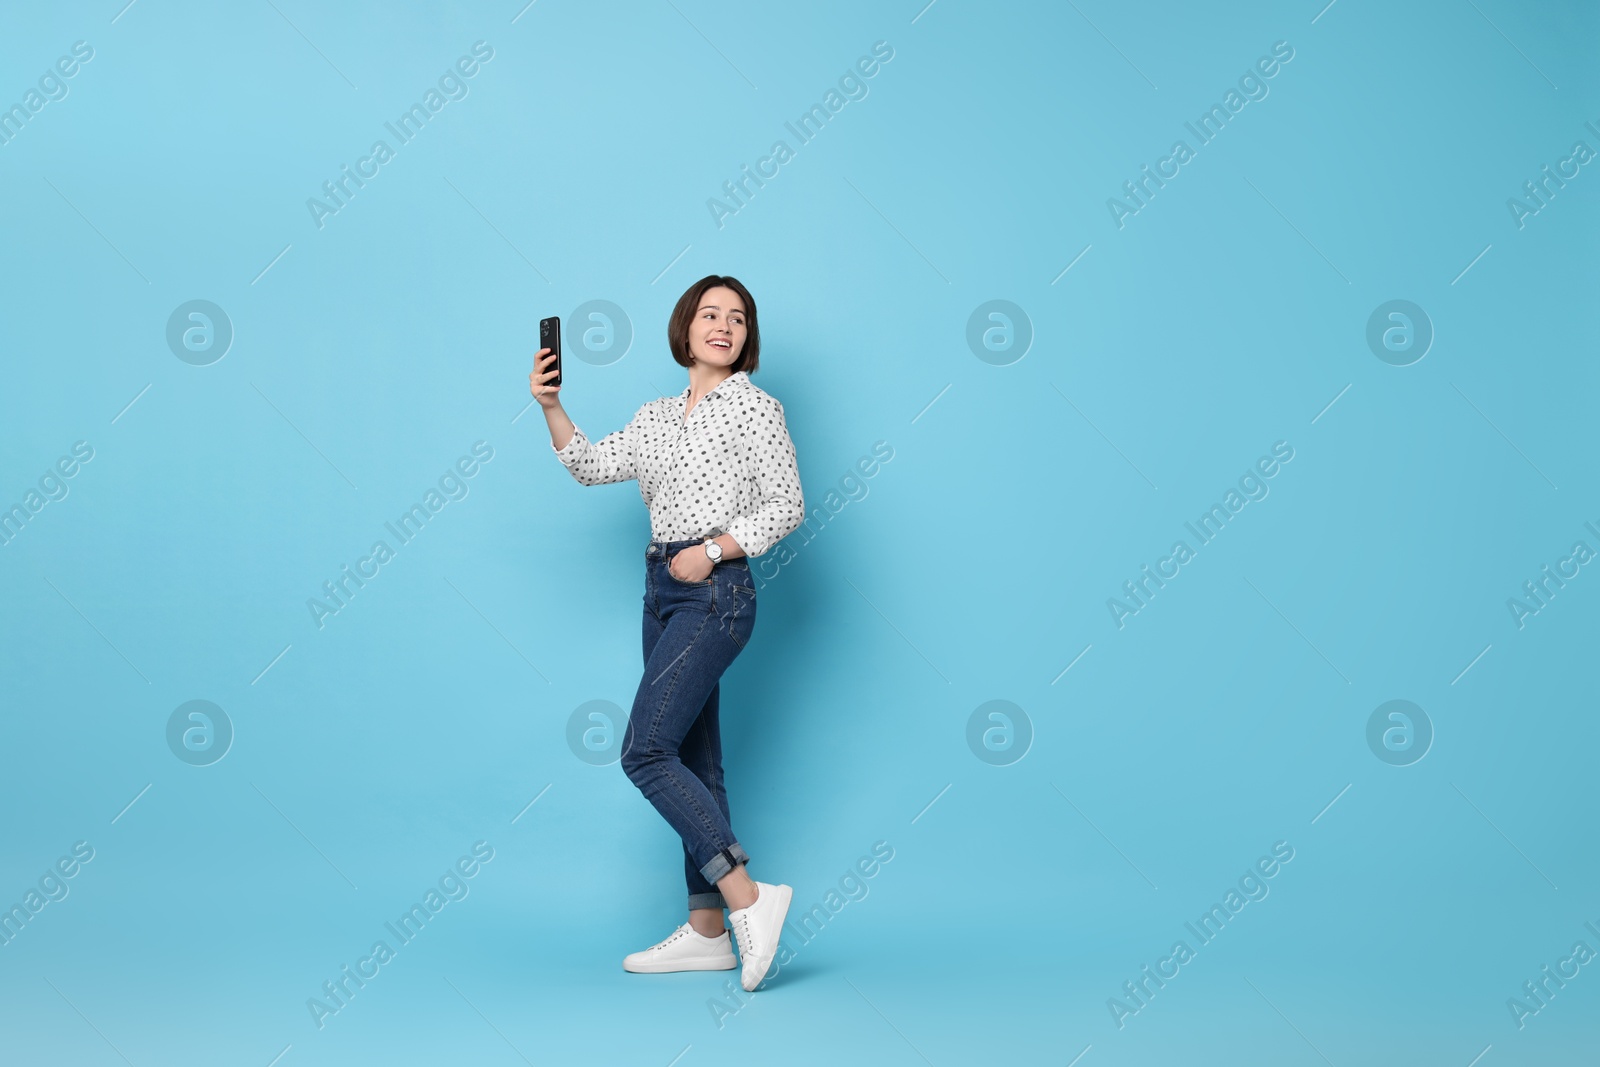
758 929
686 950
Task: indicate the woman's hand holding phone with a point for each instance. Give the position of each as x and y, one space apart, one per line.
548 396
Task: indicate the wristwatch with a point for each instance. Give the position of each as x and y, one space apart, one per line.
713 551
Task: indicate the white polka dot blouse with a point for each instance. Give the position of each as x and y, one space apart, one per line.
729 468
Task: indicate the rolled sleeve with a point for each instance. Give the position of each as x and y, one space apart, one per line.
613 458
781 506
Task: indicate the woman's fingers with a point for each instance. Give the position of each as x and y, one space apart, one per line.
537 380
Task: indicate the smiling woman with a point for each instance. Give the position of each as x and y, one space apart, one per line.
717 469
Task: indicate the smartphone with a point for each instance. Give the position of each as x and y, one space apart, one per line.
550 337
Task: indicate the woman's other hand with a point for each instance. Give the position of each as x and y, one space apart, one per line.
696 565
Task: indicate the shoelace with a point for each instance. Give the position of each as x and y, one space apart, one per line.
741 929
675 935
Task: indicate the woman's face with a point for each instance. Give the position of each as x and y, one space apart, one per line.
716 336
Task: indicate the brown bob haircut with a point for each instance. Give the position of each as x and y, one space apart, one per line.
689 305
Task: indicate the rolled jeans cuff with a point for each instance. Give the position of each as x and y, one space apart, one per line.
706 901
721 865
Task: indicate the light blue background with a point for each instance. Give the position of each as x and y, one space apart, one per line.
371 353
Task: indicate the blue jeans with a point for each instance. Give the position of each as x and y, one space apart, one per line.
672 749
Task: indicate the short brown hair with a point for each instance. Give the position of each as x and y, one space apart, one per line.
689 303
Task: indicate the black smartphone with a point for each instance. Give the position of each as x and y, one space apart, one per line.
550 337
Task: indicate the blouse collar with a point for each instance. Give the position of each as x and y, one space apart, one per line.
731 383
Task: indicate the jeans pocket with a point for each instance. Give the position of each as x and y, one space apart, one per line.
740 612
667 563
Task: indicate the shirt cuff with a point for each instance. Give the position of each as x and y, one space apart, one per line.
574 447
747 534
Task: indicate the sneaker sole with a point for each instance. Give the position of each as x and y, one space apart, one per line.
708 964
785 895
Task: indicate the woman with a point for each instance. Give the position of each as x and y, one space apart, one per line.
717 470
